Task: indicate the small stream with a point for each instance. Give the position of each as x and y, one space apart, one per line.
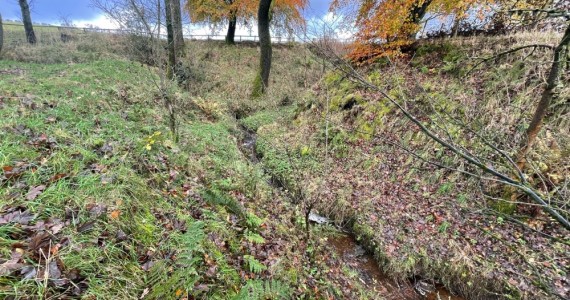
357 258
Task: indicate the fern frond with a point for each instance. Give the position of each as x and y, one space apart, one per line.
253 264
254 237
261 290
216 197
167 284
253 221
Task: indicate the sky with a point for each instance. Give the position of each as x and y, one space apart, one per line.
81 12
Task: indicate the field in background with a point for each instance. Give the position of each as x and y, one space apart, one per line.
50 34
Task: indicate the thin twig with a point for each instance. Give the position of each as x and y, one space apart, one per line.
496 56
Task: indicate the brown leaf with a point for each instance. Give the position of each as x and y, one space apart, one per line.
201 288
40 241
34 192
55 249
86 226
53 269
57 177
56 228
18 216
121 235
211 271
74 275
96 210
28 272
13 264
13 172
147 265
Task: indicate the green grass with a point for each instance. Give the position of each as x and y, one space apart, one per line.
73 107
14 33
144 215
266 117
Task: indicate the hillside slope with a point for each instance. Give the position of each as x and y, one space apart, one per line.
359 161
99 201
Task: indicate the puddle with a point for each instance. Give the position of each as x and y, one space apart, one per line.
247 145
356 258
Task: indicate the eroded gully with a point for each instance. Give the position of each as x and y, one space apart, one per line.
357 258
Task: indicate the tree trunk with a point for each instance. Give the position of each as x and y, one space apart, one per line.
263 18
177 25
230 37
1 34
170 39
417 13
27 19
455 28
547 95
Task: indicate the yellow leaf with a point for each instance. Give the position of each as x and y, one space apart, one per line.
179 292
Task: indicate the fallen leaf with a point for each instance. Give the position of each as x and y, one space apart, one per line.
11 265
56 228
201 288
74 275
107 179
147 265
53 269
40 242
12 173
121 235
33 193
28 272
96 210
57 177
55 249
115 214
18 216
86 226
179 292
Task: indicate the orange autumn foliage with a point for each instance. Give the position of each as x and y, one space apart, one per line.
220 11
384 27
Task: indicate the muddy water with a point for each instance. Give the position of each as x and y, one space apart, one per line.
356 257
247 145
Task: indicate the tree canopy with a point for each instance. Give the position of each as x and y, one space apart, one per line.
241 11
384 26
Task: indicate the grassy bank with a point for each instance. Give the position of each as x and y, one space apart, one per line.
348 150
98 200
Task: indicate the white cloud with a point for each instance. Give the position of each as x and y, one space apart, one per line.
101 21
330 25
